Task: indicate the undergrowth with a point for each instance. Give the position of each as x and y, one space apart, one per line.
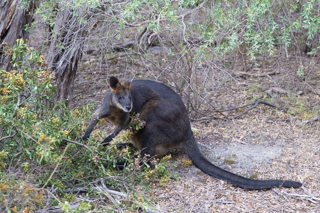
41 165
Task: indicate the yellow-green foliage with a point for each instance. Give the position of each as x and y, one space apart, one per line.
32 128
20 196
298 107
186 162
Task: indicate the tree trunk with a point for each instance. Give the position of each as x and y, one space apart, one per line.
66 50
12 27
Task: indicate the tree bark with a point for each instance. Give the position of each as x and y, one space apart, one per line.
66 50
12 27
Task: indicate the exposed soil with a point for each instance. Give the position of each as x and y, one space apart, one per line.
266 143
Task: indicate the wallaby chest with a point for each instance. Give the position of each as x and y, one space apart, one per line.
117 116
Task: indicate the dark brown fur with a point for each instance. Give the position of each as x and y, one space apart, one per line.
167 126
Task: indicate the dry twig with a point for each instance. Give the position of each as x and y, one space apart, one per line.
95 156
224 202
309 120
255 74
9 136
104 190
254 105
309 198
55 169
80 144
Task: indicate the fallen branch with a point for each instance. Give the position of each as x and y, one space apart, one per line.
279 194
112 191
86 189
254 105
224 202
122 46
107 194
116 57
309 198
317 92
104 190
255 74
309 121
239 107
151 211
311 89
77 189
276 90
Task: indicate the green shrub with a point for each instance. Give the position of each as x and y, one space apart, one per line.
32 132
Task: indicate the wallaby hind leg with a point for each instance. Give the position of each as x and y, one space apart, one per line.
146 155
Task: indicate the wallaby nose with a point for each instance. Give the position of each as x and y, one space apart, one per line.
128 107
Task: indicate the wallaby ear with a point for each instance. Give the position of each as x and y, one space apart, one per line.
113 82
131 79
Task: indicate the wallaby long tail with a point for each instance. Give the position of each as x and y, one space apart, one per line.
202 163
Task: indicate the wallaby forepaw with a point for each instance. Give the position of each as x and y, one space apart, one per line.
106 141
103 143
84 138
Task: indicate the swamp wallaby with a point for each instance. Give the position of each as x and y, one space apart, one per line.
167 126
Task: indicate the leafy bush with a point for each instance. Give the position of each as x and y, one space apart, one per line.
36 141
266 26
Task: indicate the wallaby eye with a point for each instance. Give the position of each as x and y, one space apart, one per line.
119 97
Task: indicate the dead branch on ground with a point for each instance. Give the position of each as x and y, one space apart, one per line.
255 104
104 190
255 74
309 198
309 120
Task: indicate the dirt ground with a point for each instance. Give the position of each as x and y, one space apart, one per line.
267 143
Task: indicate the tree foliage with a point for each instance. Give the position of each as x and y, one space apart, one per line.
195 41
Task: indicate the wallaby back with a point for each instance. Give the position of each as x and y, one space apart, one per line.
168 126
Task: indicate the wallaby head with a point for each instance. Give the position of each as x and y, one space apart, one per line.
121 94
